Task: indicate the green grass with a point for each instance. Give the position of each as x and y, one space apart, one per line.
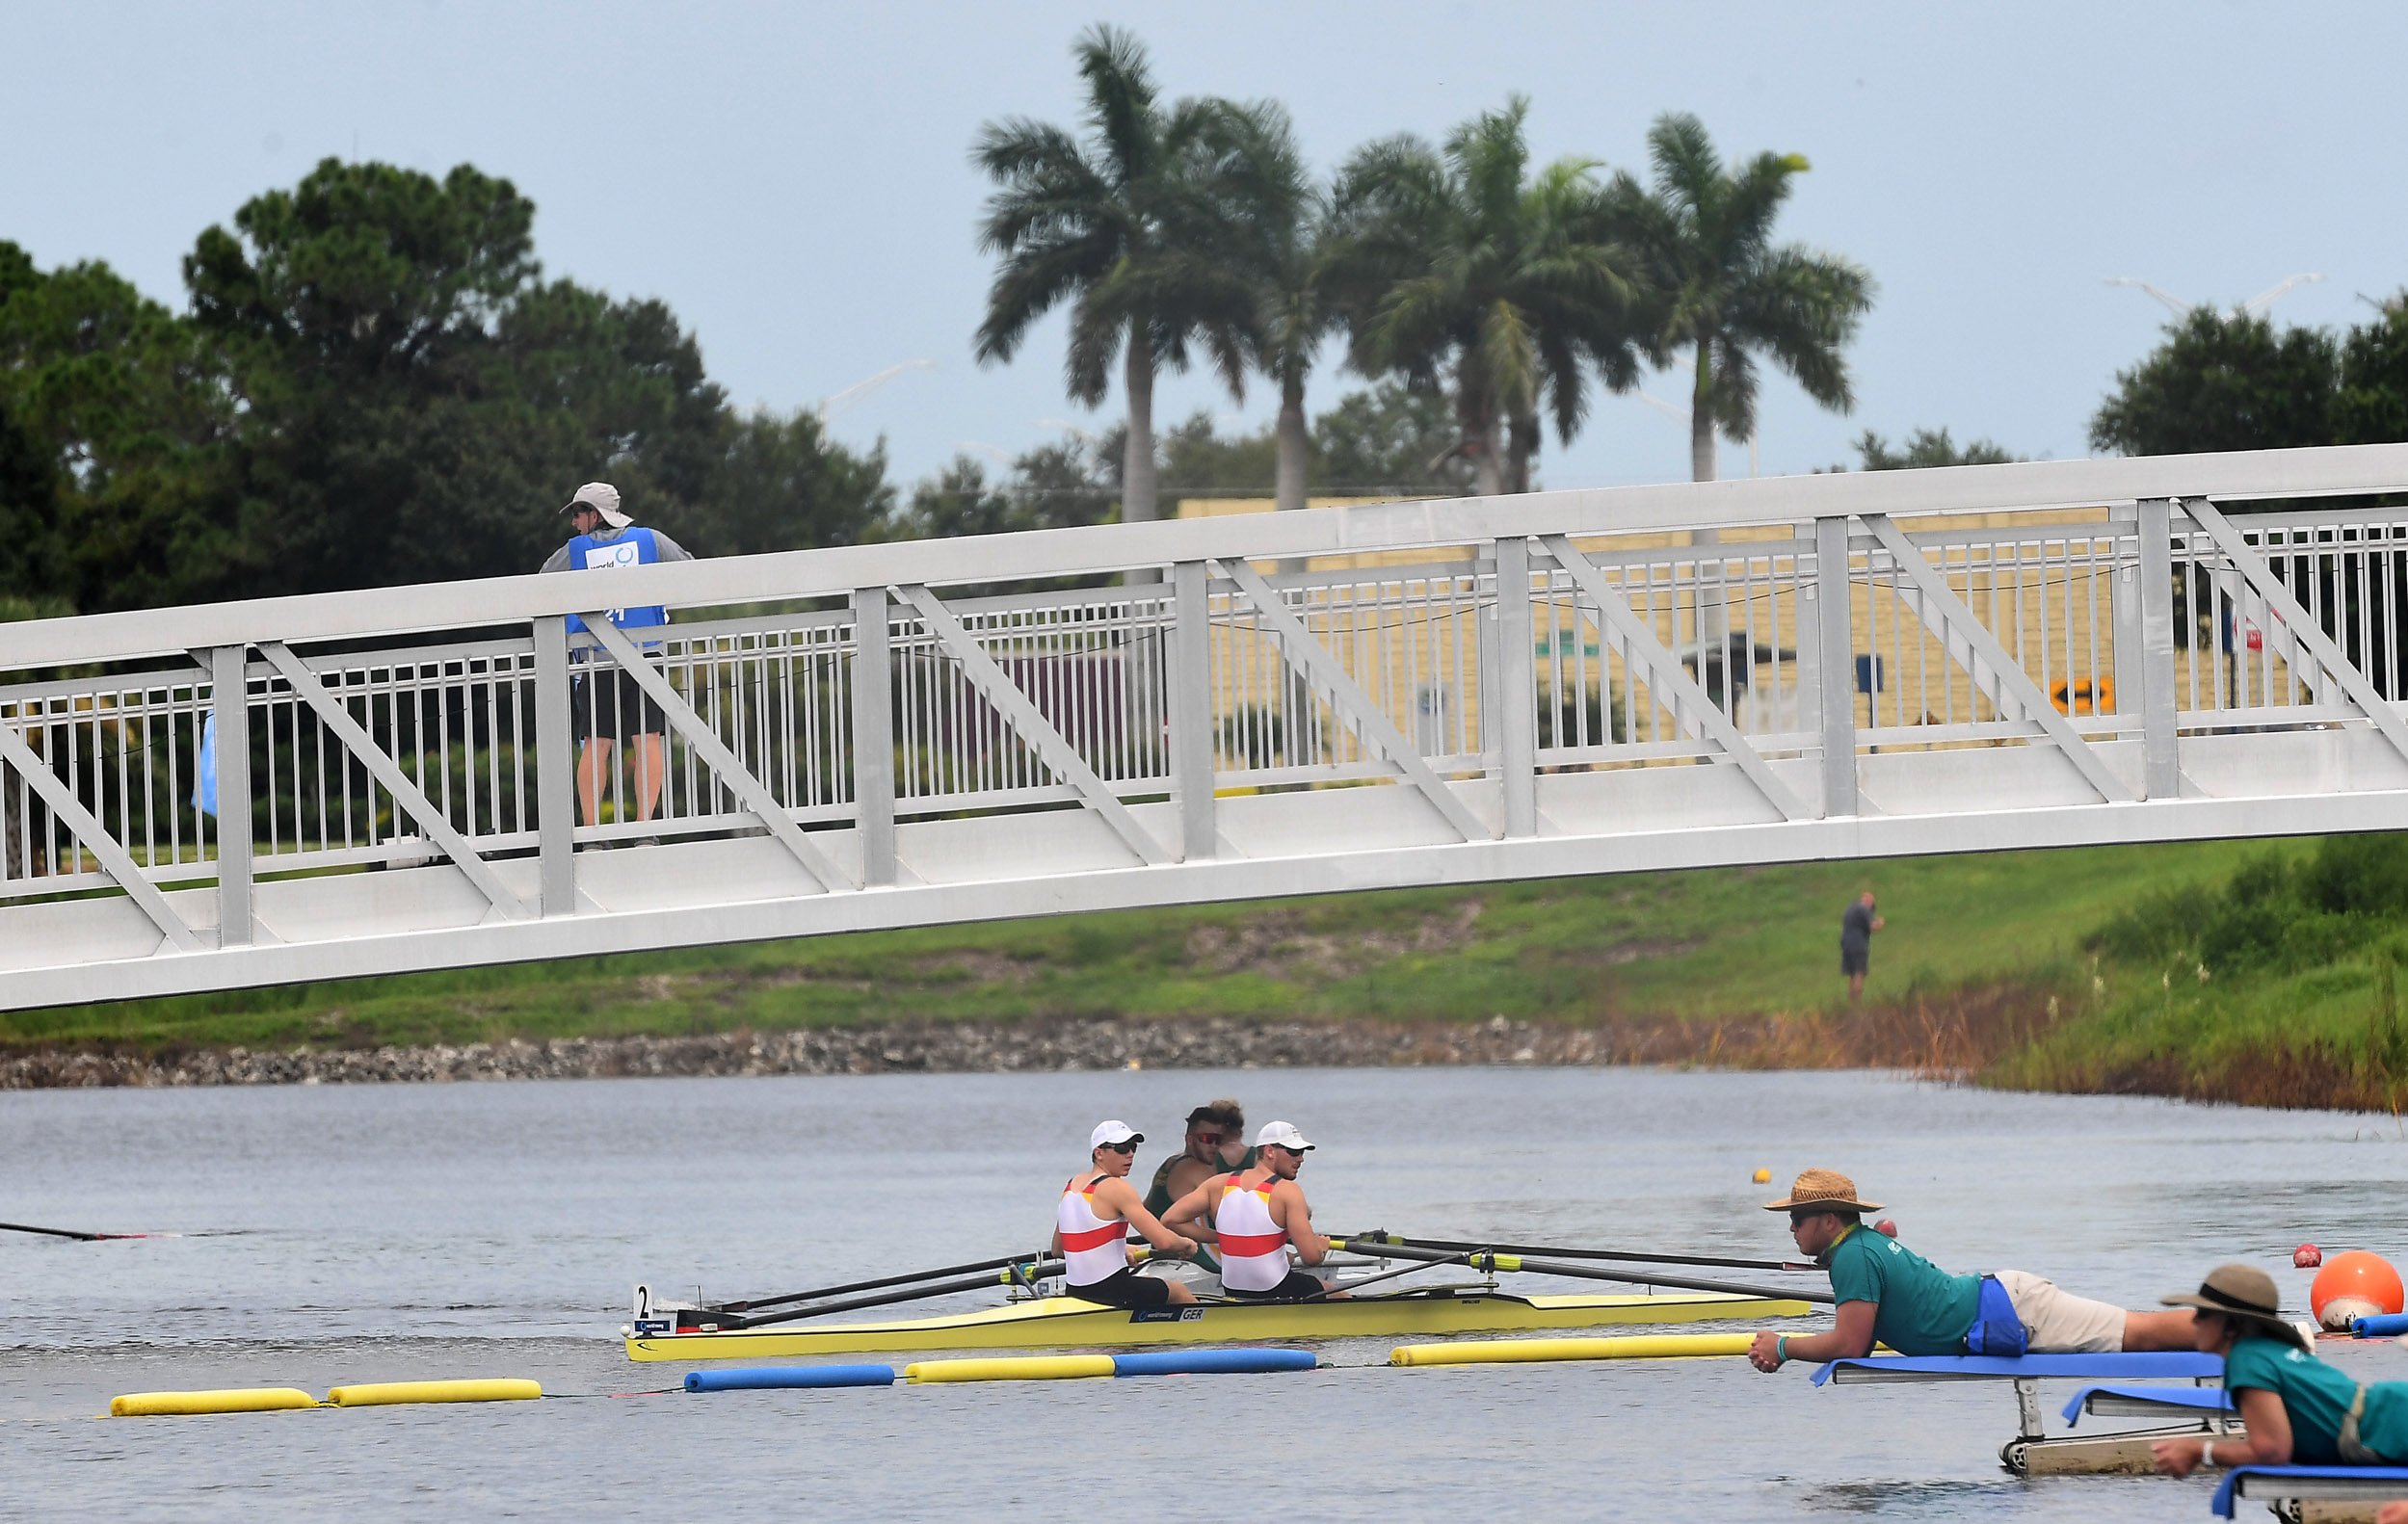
2276 987
1702 943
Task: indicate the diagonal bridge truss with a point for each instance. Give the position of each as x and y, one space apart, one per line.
1415 693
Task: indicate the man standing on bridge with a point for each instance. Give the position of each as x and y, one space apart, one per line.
1856 942
612 707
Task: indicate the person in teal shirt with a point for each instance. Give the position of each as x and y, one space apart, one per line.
1885 1294
2298 1409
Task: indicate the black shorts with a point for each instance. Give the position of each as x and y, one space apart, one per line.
1855 960
610 705
1126 1289
1297 1287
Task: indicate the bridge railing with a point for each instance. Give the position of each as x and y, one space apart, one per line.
1788 628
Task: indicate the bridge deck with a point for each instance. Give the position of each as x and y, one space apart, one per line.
1450 692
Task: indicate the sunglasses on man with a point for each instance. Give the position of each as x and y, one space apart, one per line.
1130 1147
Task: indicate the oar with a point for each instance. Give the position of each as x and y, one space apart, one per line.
1550 1267
1619 1256
1037 1271
1004 1263
68 1233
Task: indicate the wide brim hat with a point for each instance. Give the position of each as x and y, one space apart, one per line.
2246 1292
603 499
1822 1188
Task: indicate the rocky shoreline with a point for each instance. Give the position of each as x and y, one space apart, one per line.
917 1048
1953 1040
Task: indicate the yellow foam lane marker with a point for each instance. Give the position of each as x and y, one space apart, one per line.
384 1394
228 1400
1636 1347
1027 1368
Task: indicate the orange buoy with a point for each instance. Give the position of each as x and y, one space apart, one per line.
2354 1285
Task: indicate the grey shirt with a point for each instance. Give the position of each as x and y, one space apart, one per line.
1856 927
669 549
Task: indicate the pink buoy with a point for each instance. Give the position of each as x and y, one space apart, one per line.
2307 1256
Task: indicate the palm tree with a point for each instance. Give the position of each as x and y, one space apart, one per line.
1722 289
1285 237
1133 227
1457 267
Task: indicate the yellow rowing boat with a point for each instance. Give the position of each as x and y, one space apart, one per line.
1068 1323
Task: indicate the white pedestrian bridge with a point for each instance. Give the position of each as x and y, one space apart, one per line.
1445 692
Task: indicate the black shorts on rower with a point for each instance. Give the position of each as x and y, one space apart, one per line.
1297 1287
1125 1289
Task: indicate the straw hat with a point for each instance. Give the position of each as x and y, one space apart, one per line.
1820 1188
2248 1293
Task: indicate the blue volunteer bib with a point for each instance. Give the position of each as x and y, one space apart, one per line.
629 547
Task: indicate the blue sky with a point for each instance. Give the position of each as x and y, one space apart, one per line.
793 180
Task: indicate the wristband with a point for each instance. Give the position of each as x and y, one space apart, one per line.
2207 1454
1781 1349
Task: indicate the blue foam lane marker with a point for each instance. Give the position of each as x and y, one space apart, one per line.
1211 1362
2383 1326
767 1378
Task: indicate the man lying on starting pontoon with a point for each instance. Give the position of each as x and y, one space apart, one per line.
1885 1292
1251 1215
1090 1226
2298 1409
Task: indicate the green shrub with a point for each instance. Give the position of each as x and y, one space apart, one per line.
2358 876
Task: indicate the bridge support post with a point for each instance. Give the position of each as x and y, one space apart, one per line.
2131 678
1191 710
555 770
873 737
1516 706
230 700
1835 659
2161 761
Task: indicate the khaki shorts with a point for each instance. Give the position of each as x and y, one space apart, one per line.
2059 1322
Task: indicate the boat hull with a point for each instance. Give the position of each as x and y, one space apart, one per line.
1066 1322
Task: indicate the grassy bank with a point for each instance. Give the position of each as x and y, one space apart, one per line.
1709 946
2274 985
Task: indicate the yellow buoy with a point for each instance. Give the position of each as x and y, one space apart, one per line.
383 1394
1635 1346
1764 1177
1026 1368
230 1399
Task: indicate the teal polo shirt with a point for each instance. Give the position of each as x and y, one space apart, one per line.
2316 1398
1919 1308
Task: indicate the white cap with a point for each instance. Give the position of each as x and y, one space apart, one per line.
603 499
1284 1134
1113 1132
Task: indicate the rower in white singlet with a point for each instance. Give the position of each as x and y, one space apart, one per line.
1256 1215
1090 1224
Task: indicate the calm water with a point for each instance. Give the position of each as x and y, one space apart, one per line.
422 1231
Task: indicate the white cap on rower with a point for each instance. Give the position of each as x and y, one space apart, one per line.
1113 1132
1284 1134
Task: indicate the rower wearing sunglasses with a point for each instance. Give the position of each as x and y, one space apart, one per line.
1256 1215
1090 1226
1216 1142
1885 1291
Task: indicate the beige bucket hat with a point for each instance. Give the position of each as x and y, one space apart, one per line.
603 499
2246 1292
1821 1187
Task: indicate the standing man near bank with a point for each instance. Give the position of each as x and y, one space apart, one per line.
1856 942
608 708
